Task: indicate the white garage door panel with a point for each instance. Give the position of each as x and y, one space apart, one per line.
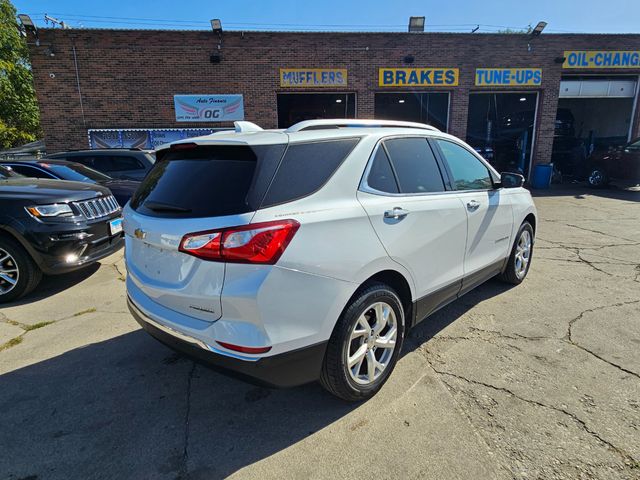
597 88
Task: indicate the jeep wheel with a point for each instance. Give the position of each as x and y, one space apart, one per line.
18 273
365 344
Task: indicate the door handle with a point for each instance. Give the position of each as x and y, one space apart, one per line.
396 213
473 205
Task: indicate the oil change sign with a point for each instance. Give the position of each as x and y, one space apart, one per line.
313 77
508 77
601 59
418 77
208 108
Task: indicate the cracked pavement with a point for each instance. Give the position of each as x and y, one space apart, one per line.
537 381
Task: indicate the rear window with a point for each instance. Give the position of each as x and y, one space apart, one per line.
305 168
207 181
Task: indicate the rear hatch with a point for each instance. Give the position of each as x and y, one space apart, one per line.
191 189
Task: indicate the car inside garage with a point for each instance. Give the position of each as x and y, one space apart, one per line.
594 115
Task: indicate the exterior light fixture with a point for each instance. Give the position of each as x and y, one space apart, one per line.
416 24
409 59
537 30
215 58
216 25
559 59
28 26
26 21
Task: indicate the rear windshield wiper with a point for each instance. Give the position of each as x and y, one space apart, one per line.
165 207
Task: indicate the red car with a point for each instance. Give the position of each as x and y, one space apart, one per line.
623 163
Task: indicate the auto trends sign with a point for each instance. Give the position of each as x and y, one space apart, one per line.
208 108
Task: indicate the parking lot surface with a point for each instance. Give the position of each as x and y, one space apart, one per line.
537 381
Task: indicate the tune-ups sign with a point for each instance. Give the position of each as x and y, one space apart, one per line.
208 108
523 77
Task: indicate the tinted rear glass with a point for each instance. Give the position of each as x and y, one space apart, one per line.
204 181
305 168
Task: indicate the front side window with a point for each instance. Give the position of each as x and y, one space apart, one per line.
468 172
415 165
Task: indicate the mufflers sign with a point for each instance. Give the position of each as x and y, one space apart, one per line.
418 77
208 108
313 77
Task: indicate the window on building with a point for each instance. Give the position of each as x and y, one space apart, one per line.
500 127
296 107
430 108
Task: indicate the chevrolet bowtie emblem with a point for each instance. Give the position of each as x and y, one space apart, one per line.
139 234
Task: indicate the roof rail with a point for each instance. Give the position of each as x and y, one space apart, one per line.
355 123
242 127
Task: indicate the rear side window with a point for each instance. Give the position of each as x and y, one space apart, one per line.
305 168
206 181
29 171
381 176
126 163
415 165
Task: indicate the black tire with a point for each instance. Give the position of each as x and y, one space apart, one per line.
335 376
29 275
597 178
510 274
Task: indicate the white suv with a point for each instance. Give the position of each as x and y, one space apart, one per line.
288 256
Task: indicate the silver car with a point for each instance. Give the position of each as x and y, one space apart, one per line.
289 256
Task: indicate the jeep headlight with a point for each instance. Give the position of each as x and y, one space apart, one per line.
53 210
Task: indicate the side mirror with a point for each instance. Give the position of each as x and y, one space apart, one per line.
511 180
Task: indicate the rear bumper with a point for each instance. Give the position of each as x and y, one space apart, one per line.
289 369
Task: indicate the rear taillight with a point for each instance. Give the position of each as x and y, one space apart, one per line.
254 243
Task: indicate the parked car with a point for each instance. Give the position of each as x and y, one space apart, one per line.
64 170
304 254
127 163
51 227
621 163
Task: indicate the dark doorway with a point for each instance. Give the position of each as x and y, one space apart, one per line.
500 127
588 125
431 108
296 107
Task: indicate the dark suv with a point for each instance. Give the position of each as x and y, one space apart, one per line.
127 163
52 226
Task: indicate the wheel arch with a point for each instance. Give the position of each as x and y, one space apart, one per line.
398 282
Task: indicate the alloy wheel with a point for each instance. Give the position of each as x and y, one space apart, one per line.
523 254
9 272
372 343
596 178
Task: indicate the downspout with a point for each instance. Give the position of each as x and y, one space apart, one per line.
75 62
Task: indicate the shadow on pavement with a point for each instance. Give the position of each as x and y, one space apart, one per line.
581 191
432 325
53 284
130 408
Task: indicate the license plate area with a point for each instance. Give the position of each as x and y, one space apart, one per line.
115 226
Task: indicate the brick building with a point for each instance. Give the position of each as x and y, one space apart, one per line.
563 95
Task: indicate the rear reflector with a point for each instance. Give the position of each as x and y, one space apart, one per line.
238 348
261 243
